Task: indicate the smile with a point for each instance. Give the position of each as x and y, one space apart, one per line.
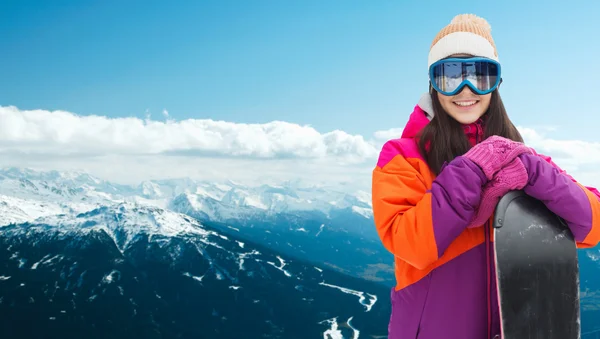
466 103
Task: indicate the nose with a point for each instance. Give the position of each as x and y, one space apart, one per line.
466 88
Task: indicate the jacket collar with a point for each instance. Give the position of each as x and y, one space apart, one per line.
474 131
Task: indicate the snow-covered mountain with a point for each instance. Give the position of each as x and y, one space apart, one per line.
314 223
129 270
218 201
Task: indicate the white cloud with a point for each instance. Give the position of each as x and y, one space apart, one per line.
64 133
128 150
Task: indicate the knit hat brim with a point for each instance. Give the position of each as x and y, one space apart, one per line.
461 43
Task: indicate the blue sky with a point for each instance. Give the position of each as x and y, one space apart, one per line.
358 66
350 70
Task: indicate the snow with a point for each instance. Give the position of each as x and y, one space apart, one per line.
204 192
364 197
243 256
160 203
129 219
255 202
320 230
111 277
221 202
27 195
18 210
355 332
45 261
222 187
187 274
365 212
362 298
332 332
151 189
283 263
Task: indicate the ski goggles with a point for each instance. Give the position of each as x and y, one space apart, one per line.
449 76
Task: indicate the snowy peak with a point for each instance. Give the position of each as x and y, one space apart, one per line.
244 198
58 187
15 210
150 189
219 201
28 187
71 178
124 221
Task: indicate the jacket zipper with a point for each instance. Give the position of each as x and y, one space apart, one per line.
486 226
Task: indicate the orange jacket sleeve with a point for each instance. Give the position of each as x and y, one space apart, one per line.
416 222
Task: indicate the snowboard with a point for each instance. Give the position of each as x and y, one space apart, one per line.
537 271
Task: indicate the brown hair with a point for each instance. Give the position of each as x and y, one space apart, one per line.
443 138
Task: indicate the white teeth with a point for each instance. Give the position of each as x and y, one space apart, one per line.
465 103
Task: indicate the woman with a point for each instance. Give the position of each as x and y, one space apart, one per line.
435 188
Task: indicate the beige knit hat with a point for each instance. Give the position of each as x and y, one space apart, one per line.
466 34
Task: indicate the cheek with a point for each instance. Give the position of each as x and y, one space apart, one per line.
446 102
486 102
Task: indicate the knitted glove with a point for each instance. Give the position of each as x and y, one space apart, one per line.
494 153
511 177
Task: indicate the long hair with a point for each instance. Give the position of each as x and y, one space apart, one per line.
443 138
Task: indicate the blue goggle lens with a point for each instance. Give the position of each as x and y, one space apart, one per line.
448 76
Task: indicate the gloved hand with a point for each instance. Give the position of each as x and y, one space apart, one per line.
511 177
494 153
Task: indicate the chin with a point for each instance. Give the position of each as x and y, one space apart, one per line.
466 118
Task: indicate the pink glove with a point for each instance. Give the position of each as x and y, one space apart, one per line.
511 177
494 153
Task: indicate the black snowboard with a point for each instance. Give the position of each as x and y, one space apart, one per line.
537 271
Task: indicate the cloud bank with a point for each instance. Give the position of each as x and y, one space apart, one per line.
65 133
132 149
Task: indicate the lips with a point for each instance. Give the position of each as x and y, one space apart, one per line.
466 103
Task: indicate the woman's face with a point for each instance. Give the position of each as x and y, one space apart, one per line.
465 107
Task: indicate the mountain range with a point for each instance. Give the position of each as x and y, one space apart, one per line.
316 224
180 258
127 270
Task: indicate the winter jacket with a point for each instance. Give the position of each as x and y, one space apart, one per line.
445 274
